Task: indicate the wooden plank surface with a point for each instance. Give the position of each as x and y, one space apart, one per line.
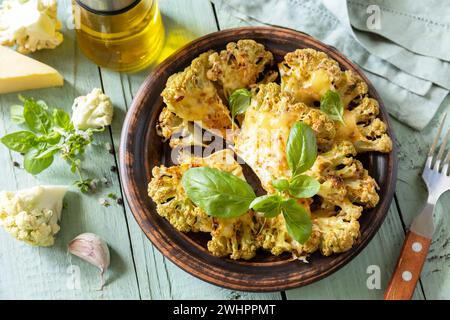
43 273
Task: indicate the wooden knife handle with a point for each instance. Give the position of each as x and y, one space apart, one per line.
409 267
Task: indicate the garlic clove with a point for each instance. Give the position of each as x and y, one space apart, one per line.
93 249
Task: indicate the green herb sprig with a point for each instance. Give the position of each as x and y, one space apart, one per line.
239 101
51 133
331 104
221 194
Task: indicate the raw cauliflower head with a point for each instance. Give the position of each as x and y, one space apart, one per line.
94 110
364 129
32 215
193 97
30 24
265 129
239 66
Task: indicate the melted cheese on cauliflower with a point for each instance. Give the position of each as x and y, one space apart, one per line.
193 97
265 129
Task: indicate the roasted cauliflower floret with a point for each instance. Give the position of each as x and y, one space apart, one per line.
275 238
362 127
344 180
179 132
30 24
336 234
307 74
172 202
265 129
193 97
235 237
239 65
351 86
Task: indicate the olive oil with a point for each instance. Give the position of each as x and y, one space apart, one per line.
125 38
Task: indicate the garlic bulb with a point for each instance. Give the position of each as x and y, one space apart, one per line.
93 249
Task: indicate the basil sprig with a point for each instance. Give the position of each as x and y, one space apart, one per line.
332 105
221 194
51 132
239 101
218 193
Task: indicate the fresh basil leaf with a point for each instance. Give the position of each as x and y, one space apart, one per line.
298 222
21 141
17 114
303 186
239 101
61 119
280 184
270 205
52 138
301 148
49 152
218 193
331 104
34 165
36 117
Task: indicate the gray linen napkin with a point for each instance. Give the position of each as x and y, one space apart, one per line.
410 97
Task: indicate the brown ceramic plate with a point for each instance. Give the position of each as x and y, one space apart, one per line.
141 149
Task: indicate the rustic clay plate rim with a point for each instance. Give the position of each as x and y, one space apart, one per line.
180 257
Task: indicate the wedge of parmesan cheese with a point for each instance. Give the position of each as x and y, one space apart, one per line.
19 72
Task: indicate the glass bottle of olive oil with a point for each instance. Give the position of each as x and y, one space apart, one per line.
122 35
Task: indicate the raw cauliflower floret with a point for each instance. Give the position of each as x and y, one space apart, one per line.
30 24
235 237
336 234
364 129
94 110
179 132
32 215
239 65
193 97
307 74
275 238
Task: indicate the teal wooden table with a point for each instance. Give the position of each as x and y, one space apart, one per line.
138 270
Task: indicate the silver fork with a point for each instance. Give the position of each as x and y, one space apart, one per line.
418 238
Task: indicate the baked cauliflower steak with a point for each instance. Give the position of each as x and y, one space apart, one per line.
261 142
193 97
346 189
235 237
239 66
